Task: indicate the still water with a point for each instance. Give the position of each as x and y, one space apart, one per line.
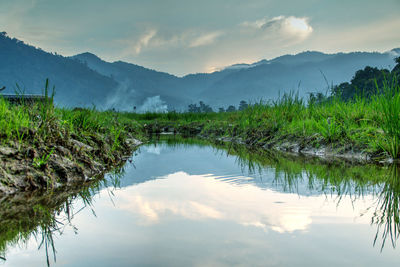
191 204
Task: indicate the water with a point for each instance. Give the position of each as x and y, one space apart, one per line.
195 205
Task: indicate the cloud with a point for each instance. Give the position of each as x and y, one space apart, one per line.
144 40
222 46
205 39
282 26
154 39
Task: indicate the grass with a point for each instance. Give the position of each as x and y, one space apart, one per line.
43 123
41 136
365 125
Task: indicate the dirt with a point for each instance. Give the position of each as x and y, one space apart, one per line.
27 168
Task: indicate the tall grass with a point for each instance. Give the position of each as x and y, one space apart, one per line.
370 125
388 108
42 125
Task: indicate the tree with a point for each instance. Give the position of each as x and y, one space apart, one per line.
364 83
396 69
193 108
221 110
343 91
231 109
243 105
203 108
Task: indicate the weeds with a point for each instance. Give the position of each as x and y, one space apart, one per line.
41 162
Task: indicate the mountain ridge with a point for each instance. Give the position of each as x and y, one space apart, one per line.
85 79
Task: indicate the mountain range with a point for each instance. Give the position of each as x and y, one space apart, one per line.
86 80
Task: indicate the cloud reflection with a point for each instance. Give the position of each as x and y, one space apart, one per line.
205 197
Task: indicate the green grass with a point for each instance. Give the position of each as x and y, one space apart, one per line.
40 133
365 125
46 124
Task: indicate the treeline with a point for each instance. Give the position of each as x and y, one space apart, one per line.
204 108
366 82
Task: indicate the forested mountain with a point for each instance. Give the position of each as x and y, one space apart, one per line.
85 79
27 66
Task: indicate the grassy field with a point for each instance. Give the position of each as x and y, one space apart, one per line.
367 125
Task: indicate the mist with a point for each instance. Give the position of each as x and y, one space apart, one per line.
153 104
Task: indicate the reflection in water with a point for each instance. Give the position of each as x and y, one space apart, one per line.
272 193
386 215
44 214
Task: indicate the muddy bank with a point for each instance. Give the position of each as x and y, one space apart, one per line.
312 146
26 167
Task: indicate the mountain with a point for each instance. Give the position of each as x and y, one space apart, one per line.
305 72
27 66
136 83
86 79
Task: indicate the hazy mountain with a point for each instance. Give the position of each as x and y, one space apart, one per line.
76 84
136 83
86 79
305 72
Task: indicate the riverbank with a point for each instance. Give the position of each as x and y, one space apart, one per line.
362 130
43 147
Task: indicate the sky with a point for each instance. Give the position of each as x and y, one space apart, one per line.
185 36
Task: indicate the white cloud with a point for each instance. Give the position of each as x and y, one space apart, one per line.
205 39
297 26
281 26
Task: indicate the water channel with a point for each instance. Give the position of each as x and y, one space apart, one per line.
187 203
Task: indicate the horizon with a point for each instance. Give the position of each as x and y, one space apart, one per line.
184 38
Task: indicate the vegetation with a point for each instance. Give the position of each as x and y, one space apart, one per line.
366 82
366 125
44 145
366 122
35 135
